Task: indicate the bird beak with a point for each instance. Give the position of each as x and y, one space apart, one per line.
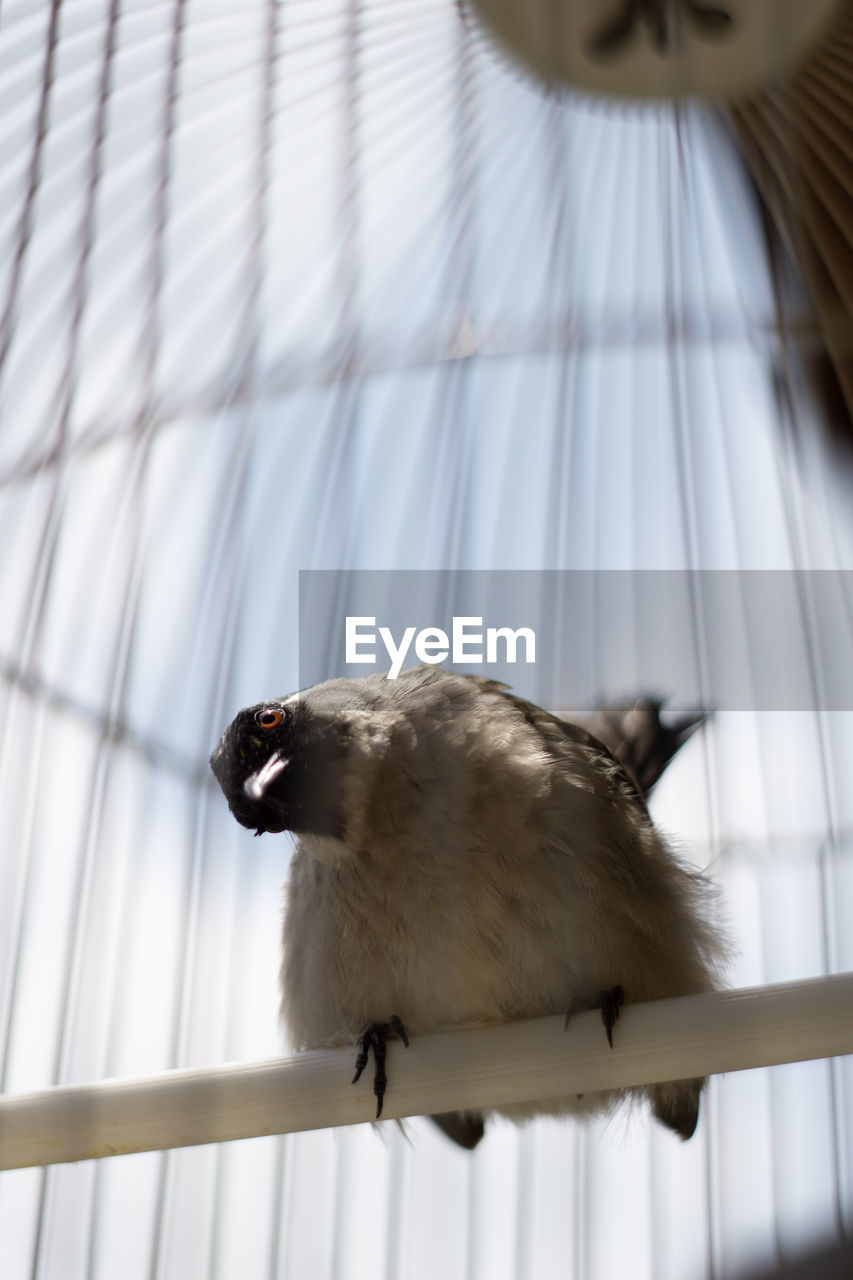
257 784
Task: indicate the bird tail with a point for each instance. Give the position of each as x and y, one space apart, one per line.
638 738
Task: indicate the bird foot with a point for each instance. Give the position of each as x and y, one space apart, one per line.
609 1002
374 1037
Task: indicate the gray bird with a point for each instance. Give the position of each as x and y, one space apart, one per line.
465 858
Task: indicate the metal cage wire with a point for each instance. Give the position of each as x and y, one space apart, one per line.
329 284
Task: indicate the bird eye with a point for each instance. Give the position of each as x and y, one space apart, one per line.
269 718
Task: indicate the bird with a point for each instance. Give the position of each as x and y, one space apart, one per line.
466 858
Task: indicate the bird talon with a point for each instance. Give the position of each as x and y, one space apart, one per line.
361 1058
610 1002
578 1005
374 1037
396 1025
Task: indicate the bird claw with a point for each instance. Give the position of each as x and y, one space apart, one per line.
578 1005
374 1037
609 1002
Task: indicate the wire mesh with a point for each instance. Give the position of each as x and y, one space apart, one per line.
327 285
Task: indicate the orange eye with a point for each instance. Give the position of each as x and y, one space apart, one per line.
269 718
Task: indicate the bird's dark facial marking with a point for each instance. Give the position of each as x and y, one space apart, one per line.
278 767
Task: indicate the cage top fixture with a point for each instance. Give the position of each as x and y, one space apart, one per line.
719 49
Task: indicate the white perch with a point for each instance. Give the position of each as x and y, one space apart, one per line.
517 1062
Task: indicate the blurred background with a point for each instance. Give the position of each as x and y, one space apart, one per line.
330 284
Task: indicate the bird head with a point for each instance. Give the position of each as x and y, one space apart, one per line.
276 764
